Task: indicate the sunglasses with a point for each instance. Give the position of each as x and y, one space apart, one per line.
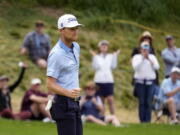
90 88
39 25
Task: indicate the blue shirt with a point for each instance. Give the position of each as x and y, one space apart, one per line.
63 65
167 86
171 58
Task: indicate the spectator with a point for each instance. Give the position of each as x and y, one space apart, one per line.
34 101
92 108
145 65
146 36
5 93
171 90
37 45
170 55
103 63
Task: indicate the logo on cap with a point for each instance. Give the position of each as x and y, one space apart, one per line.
71 20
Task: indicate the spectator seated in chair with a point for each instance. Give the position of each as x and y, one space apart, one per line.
171 94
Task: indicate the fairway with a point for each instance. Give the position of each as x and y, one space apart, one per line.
9 127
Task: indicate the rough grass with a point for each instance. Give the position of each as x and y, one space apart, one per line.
16 20
9 127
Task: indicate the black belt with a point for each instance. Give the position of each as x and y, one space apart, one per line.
64 97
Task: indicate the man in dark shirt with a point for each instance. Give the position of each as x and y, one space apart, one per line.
37 45
5 91
34 101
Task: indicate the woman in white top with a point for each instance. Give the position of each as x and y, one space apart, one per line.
103 63
145 66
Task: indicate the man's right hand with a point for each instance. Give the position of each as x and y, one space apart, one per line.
74 93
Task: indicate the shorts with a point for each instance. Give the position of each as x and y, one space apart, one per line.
105 89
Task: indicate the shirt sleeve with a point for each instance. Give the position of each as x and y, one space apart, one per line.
48 43
18 81
54 65
169 58
137 62
165 87
114 60
26 41
155 62
99 101
95 63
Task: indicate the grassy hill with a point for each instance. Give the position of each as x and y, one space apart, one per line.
16 20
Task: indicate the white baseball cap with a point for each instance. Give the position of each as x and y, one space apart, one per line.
103 42
67 21
35 81
175 69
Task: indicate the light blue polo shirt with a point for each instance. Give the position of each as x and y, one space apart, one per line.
63 65
167 86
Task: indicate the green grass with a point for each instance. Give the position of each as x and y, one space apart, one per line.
10 127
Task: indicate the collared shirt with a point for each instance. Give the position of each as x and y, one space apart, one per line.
38 45
103 66
168 86
63 65
143 68
171 58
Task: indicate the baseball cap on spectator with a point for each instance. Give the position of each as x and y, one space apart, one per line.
175 70
68 21
145 45
35 81
169 37
3 78
103 42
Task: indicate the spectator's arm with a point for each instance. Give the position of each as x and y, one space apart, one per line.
23 51
169 59
173 92
115 59
98 105
17 82
38 99
95 63
24 47
137 62
154 62
82 101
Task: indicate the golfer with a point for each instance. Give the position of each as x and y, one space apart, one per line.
62 78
